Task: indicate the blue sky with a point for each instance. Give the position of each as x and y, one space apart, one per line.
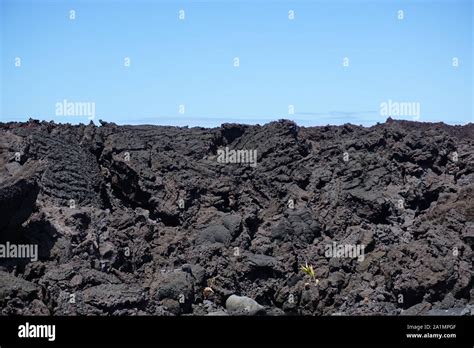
190 62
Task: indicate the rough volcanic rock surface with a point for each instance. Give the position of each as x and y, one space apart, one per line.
144 220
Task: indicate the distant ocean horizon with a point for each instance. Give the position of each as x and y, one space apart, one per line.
209 122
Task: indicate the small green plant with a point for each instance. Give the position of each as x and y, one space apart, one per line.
309 270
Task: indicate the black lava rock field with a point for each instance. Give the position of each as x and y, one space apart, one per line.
237 220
